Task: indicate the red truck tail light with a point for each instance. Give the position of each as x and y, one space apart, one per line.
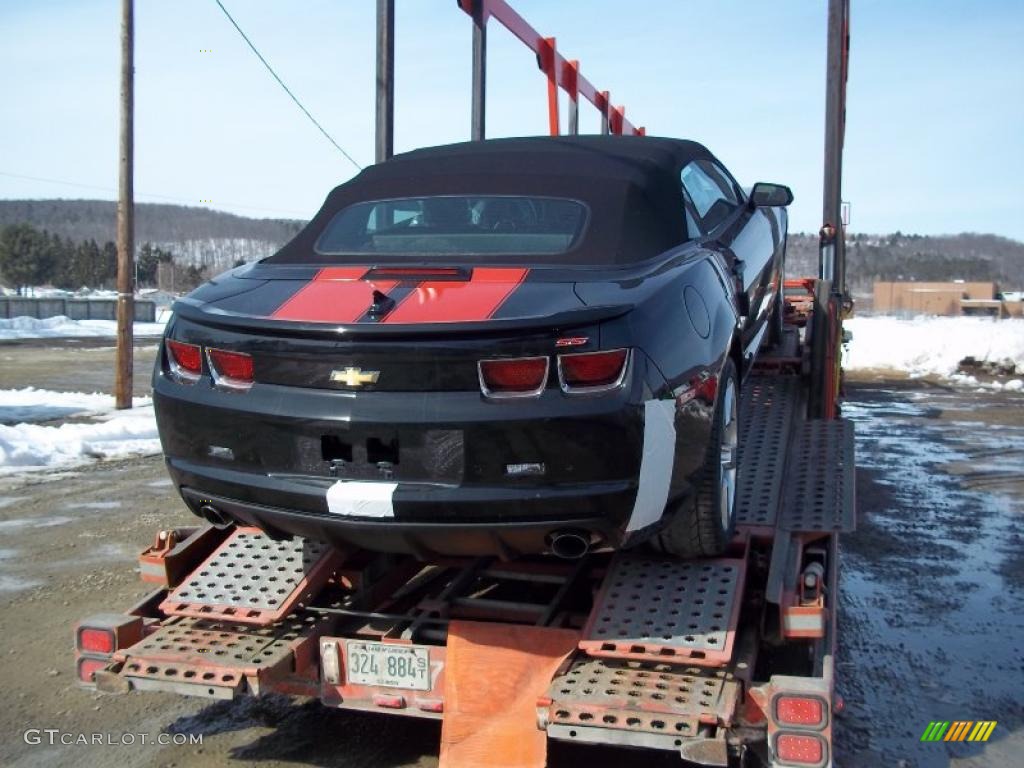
186 360
96 640
232 370
799 710
513 377
799 749
88 667
592 371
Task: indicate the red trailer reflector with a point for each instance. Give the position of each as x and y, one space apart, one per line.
96 641
585 371
87 668
430 705
799 749
389 701
230 369
186 359
513 377
799 710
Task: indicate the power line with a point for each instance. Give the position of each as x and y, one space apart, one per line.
168 198
286 89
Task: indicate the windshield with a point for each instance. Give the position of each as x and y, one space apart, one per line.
455 225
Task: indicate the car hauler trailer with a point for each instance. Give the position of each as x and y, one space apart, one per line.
726 661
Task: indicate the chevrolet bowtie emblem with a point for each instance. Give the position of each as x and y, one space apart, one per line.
355 377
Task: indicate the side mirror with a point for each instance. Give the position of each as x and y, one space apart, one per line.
765 195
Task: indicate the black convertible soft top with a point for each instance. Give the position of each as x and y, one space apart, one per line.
630 183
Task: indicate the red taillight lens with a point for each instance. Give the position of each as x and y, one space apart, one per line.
586 370
188 358
230 368
87 668
799 710
96 641
516 376
799 749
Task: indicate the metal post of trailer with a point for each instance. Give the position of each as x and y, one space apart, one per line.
572 73
385 80
832 263
479 110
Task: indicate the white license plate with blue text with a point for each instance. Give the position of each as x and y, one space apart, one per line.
388 665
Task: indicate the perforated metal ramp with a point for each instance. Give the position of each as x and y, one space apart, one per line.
643 696
219 657
660 609
766 417
820 492
254 579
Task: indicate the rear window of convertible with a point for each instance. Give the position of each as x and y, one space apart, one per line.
455 225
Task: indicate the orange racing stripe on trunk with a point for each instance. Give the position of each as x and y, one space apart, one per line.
334 295
451 301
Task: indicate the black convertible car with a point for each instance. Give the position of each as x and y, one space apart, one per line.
502 347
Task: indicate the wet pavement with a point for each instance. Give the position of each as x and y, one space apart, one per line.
932 608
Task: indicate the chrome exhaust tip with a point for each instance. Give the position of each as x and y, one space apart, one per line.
215 517
570 544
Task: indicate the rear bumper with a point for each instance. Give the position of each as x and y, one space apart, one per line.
427 520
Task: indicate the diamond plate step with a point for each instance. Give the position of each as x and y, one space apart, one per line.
254 579
767 406
820 493
645 696
220 657
660 609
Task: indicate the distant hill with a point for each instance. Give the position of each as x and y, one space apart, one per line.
196 236
966 256
214 240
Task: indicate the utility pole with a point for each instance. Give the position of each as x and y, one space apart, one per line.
125 215
385 79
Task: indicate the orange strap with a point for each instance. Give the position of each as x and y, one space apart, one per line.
494 674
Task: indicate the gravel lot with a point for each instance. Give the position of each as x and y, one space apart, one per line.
932 601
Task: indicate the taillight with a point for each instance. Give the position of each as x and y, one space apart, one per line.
230 369
513 377
799 749
96 640
799 710
186 360
87 668
592 371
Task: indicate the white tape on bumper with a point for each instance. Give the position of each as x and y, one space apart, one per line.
659 457
353 498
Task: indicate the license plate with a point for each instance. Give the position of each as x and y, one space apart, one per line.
388 665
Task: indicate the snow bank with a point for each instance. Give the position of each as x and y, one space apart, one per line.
31 404
60 326
108 434
932 345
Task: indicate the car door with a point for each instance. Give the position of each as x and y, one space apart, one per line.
745 237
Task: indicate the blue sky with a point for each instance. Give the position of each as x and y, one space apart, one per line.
935 136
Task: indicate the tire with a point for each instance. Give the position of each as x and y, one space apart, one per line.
703 525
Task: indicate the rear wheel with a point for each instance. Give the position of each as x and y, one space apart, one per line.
704 523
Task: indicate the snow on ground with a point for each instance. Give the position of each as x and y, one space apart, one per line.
60 326
107 433
31 404
924 346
